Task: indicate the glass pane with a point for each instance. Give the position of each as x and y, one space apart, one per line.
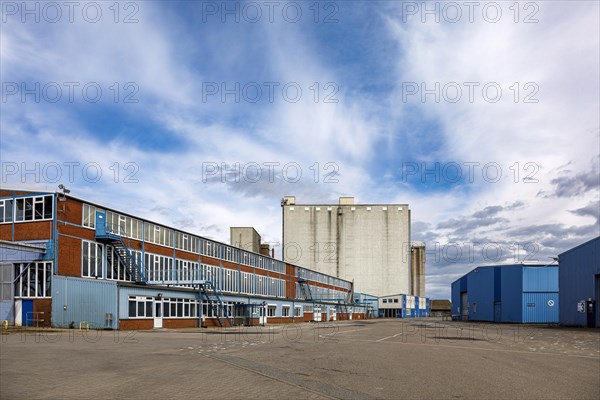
85 250
132 308
48 208
167 308
48 279
39 209
29 209
99 261
140 309
148 309
32 277
20 211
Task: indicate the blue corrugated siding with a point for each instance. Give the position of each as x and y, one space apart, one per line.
83 300
481 294
540 279
577 270
511 293
458 286
540 307
497 284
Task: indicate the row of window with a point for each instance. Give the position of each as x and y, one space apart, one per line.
321 278
317 292
38 208
146 307
132 228
33 280
159 268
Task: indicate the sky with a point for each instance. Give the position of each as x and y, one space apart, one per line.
483 117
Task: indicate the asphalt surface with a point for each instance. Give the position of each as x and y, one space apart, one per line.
388 359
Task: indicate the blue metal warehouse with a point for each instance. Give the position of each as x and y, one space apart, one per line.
522 293
579 277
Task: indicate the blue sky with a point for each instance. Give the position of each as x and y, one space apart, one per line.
361 67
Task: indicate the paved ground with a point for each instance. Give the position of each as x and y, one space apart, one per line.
391 359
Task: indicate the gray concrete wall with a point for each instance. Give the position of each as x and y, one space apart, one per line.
367 243
245 238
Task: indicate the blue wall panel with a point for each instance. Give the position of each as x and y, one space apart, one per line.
481 294
578 271
540 307
540 279
512 293
77 300
456 289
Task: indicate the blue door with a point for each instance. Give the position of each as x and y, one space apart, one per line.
27 312
497 312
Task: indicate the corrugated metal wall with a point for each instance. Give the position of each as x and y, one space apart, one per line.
457 287
481 294
511 293
77 300
540 307
578 271
540 279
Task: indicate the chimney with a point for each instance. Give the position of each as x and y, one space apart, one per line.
265 250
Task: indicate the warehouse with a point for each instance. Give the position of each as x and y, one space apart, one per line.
103 268
579 279
521 293
403 306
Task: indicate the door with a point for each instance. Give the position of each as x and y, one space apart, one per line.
497 312
158 313
333 313
262 316
317 314
464 305
27 312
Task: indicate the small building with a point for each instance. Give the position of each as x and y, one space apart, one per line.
579 279
440 308
403 306
521 293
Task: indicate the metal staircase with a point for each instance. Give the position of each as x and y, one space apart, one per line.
304 288
109 235
131 266
210 295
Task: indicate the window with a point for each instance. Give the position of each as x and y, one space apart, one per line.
297 311
140 307
6 210
271 310
395 300
33 279
385 300
89 216
308 309
115 267
158 268
285 311
28 209
91 259
180 308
